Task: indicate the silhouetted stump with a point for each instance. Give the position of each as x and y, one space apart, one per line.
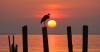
9 43
16 48
45 39
12 47
69 36
25 38
85 38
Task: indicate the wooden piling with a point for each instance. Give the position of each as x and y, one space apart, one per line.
13 40
9 43
45 39
25 38
85 38
12 48
69 36
16 48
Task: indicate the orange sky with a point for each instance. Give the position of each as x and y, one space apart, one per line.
15 13
56 8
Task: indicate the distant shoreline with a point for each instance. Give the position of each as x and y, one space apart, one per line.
49 34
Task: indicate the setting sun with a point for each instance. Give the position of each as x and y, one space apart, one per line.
51 23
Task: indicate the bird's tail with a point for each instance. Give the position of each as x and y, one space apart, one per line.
41 22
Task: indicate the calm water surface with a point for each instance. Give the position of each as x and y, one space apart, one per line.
57 43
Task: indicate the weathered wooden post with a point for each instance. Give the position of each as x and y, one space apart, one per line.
85 38
13 39
25 38
45 39
9 43
12 47
16 48
13 44
69 36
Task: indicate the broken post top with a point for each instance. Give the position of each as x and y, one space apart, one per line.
25 26
24 29
69 30
85 27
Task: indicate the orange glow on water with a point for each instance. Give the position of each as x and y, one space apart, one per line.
57 43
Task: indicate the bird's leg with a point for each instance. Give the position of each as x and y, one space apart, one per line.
44 24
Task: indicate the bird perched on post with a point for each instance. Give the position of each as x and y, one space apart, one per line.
45 17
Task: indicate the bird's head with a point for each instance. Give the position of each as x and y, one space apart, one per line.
48 14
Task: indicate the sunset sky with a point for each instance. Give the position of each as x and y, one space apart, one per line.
16 13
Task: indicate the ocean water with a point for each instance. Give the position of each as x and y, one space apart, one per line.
57 43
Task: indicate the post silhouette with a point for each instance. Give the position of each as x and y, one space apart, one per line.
69 36
9 43
25 38
45 39
85 38
12 48
16 48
